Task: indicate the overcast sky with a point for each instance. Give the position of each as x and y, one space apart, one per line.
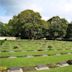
47 8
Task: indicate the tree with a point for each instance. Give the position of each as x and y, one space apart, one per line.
69 32
57 27
3 29
27 24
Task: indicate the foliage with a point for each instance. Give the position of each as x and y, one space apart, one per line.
29 25
69 32
57 27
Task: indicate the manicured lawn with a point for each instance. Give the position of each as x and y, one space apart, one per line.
21 53
36 47
33 61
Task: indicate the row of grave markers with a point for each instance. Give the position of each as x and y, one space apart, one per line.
31 50
39 55
38 67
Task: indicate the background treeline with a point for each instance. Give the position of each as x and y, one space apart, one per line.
29 25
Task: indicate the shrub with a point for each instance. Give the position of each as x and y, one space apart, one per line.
40 50
69 62
15 47
2 41
50 47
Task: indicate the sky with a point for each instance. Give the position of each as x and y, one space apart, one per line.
46 8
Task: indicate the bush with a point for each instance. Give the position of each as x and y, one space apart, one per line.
69 62
15 47
50 47
40 50
4 51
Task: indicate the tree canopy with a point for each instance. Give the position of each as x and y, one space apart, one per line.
30 25
27 24
57 27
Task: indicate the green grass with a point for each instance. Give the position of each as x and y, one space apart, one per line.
33 61
50 52
35 44
29 45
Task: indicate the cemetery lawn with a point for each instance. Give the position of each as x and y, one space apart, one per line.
57 51
33 61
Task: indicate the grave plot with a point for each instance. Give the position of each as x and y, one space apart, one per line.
15 69
4 54
11 51
62 64
38 67
28 68
41 67
12 57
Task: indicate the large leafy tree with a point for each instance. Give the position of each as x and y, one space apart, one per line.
57 27
27 24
